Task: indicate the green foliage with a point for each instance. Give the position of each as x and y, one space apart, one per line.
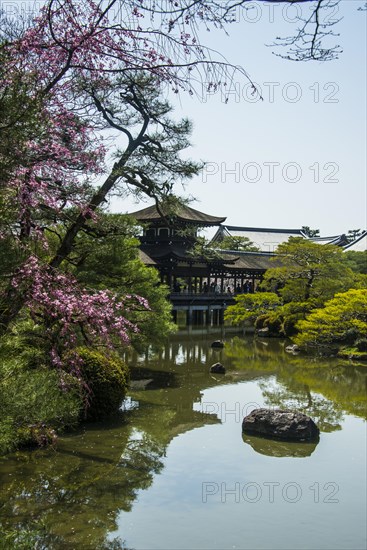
283 319
108 257
353 234
203 249
30 537
249 306
361 344
132 100
33 407
242 244
289 314
210 250
21 116
310 232
308 271
357 261
342 320
274 323
107 378
309 275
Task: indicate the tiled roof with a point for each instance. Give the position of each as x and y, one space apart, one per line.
182 213
359 245
146 259
252 260
265 239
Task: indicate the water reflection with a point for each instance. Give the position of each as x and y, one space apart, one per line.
78 489
279 449
324 389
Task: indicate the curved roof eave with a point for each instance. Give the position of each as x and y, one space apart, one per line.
183 214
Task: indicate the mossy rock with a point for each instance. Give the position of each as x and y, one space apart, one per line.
107 376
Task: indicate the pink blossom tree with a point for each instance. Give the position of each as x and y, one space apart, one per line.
81 68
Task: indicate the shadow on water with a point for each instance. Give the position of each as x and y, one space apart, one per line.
272 447
78 489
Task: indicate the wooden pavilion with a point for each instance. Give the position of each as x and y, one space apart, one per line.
200 284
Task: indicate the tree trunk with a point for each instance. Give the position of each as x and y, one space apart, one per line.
309 284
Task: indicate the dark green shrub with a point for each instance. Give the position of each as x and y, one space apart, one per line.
361 344
259 323
350 336
274 324
107 377
271 321
289 327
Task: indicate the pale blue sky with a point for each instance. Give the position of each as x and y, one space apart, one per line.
316 118
324 128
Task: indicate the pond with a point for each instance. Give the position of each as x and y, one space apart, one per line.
173 471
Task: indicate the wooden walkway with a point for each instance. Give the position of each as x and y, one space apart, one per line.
201 308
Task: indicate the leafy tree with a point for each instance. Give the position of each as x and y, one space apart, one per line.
71 74
342 320
356 260
353 234
150 164
309 271
90 72
309 274
242 244
310 232
21 116
107 256
202 248
250 306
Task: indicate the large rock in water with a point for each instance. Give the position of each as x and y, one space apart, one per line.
286 425
217 368
217 344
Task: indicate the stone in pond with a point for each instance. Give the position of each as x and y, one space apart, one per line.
286 425
217 368
292 349
217 344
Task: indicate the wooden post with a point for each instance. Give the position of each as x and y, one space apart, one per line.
189 317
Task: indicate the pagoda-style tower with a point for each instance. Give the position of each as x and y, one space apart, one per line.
168 238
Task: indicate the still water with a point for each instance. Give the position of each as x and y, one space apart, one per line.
174 472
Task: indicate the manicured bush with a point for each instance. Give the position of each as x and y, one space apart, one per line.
342 321
106 376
